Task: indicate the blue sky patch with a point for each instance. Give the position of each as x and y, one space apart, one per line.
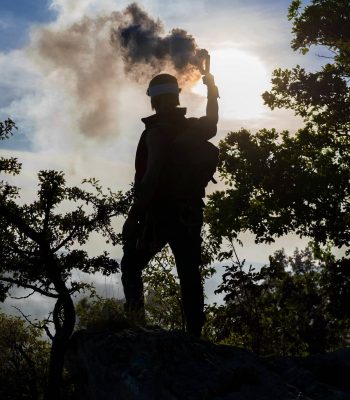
16 18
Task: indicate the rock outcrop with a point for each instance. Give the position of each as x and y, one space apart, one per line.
153 364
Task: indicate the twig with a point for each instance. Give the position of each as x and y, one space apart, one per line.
28 286
36 326
26 317
66 240
234 250
24 297
321 56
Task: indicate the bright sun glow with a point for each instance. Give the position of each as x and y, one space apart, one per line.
241 79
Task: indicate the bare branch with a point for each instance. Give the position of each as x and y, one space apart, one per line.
28 286
36 326
321 56
24 297
26 317
48 206
45 327
48 333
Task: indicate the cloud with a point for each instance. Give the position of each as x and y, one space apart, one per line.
71 11
19 77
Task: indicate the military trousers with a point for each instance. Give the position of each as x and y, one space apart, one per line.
178 225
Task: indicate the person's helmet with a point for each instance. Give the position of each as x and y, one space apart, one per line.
163 84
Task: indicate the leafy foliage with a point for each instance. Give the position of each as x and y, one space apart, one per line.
99 313
162 292
281 183
40 245
24 360
6 128
287 307
26 229
325 23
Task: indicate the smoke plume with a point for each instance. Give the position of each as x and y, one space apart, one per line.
142 41
92 58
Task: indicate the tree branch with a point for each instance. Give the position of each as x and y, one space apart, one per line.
66 240
26 317
48 206
48 333
13 247
23 297
28 286
17 221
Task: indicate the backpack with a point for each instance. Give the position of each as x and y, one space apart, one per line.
192 163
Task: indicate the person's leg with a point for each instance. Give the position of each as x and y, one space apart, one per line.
185 242
132 265
138 251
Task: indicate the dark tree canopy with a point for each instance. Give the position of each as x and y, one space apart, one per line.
281 182
23 360
322 22
295 305
40 244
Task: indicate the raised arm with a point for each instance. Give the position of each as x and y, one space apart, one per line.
213 94
206 126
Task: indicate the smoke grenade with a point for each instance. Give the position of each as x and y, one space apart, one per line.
206 69
93 57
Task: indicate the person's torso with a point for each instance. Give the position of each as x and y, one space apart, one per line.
176 182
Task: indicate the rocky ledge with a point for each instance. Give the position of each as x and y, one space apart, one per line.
153 364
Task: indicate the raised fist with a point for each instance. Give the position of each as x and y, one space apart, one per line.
208 79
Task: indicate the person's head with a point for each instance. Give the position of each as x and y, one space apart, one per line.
164 92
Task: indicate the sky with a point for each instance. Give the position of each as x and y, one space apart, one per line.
79 112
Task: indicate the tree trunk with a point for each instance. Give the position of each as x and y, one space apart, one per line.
62 336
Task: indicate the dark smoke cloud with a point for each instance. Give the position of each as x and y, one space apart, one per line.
93 56
142 41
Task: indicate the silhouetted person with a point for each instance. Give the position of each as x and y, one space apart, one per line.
174 163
